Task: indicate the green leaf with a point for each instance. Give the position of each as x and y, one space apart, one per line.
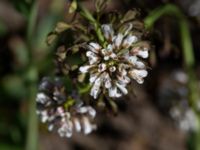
20 52
14 86
100 5
61 27
130 15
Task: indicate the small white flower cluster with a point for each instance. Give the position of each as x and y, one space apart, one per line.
173 96
185 119
66 122
51 100
112 67
50 92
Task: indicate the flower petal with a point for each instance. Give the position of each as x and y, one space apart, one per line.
117 40
87 127
96 88
102 67
93 77
140 52
122 88
129 40
112 92
85 69
128 28
138 75
42 98
95 47
143 54
107 31
107 81
93 58
123 79
77 124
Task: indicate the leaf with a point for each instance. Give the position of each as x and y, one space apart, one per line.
61 27
13 86
84 89
52 36
73 7
20 52
100 5
130 15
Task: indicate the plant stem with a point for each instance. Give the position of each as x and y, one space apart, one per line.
86 14
32 21
32 130
188 54
32 78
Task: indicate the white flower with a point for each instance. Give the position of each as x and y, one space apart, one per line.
42 98
77 124
84 69
66 128
95 47
138 75
52 110
129 40
96 87
117 40
113 92
44 116
107 31
112 66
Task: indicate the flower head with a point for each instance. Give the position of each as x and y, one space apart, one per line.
113 64
51 100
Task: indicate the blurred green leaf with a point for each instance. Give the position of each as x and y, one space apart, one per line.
62 26
58 7
32 18
20 52
43 29
13 86
130 15
15 134
100 5
22 6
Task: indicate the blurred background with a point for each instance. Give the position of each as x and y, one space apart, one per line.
162 114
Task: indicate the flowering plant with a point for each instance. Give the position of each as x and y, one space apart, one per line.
98 55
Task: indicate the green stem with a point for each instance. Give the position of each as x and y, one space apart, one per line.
32 78
86 14
32 22
32 130
188 54
85 89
